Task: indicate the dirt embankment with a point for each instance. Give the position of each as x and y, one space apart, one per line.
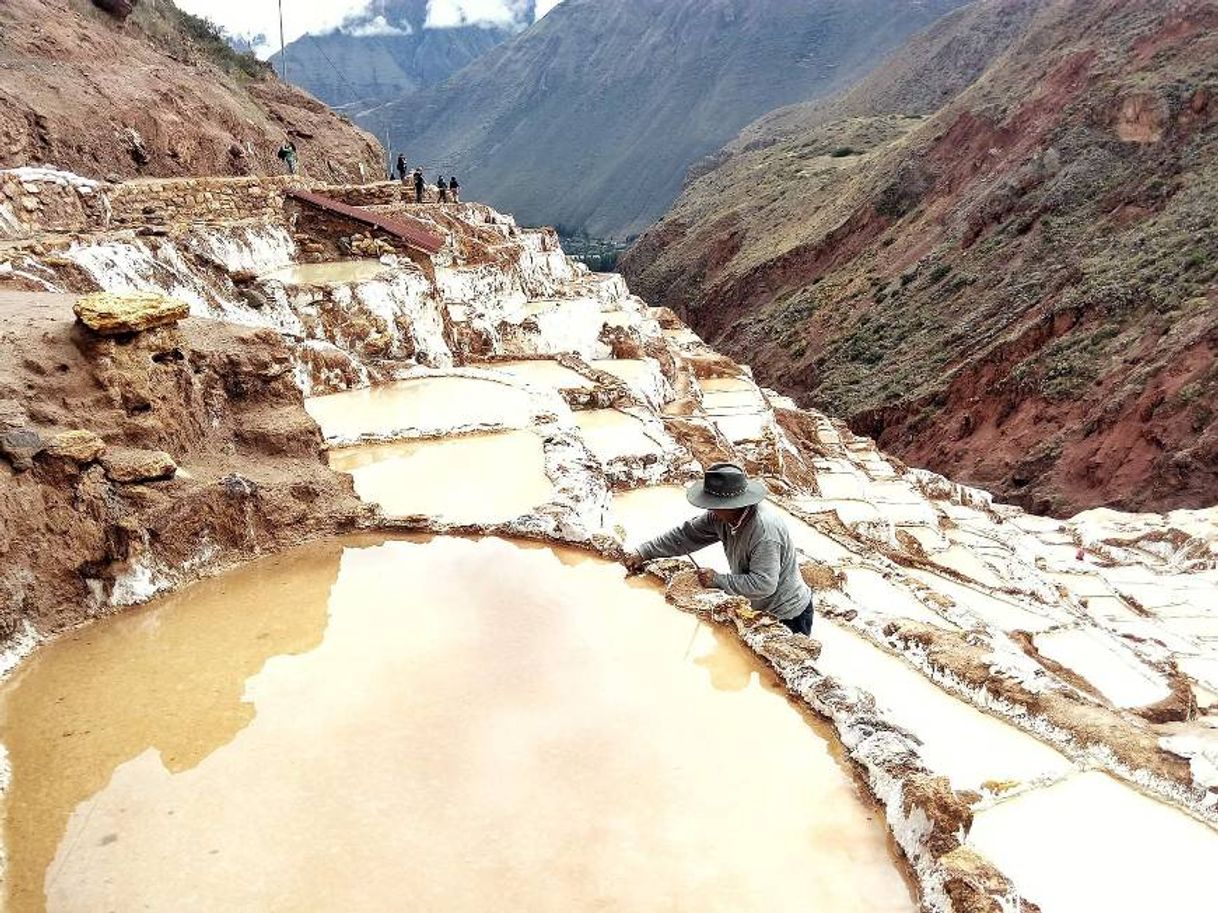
1019 290
155 95
78 524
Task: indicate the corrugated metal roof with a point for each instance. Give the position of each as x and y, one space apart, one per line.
404 227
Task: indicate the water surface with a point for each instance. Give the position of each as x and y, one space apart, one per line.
451 725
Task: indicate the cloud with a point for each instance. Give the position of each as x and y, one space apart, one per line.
377 25
257 21
447 14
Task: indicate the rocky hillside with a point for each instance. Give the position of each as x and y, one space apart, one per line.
157 94
591 118
997 255
389 51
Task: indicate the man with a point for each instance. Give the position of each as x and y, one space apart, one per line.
401 167
442 189
454 189
288 155
764 566
418 185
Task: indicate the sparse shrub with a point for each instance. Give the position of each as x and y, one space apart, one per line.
938 273
212 41
842 152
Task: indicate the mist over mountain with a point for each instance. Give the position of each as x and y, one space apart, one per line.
592 117
397 47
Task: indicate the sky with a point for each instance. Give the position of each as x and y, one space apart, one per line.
253 18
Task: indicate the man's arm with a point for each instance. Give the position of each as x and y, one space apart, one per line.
765 564
688 537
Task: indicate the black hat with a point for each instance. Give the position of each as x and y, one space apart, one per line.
726 486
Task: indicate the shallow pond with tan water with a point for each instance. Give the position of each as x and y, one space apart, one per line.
443 725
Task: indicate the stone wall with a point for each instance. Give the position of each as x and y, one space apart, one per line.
165 202
35 201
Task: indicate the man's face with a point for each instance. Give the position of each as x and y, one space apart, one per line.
729 516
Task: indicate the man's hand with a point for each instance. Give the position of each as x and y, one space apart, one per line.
706 577
635 563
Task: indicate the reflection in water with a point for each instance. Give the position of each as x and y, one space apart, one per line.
483 728
166 683
483 478
730 666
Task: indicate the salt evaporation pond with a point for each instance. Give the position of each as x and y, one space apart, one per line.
479 478
424 405
446 725
338 272
1092 843
971 748
611 434
543 373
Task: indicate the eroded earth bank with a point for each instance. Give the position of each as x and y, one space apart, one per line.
436 433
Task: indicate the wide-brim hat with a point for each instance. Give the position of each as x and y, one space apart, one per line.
726 486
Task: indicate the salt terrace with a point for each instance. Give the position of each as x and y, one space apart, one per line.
1031 703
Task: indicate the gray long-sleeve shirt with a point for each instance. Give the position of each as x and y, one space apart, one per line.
765 568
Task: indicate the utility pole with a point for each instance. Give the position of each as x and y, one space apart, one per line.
283 48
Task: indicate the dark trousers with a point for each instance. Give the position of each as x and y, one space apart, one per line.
801 623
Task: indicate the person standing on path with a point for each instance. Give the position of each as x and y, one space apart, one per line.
454 189
418 185
402 167
764 565
287 155
442 189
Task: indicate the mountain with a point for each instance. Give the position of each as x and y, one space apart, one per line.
997 254
389 51
591 118
159 92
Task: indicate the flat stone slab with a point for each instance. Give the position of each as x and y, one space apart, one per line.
111 314
80 446
130 466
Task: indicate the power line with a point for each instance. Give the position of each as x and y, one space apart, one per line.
355 97
283 50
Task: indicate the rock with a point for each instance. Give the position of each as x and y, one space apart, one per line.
80 446
254 298
12 415
129 466
129 312
119 9
20 446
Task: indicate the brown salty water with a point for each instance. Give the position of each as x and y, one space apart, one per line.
449 725
481 478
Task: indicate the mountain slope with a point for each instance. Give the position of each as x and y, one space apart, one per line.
591 118
159 94
1020 290
388 52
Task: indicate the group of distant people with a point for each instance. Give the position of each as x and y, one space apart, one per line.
446 191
